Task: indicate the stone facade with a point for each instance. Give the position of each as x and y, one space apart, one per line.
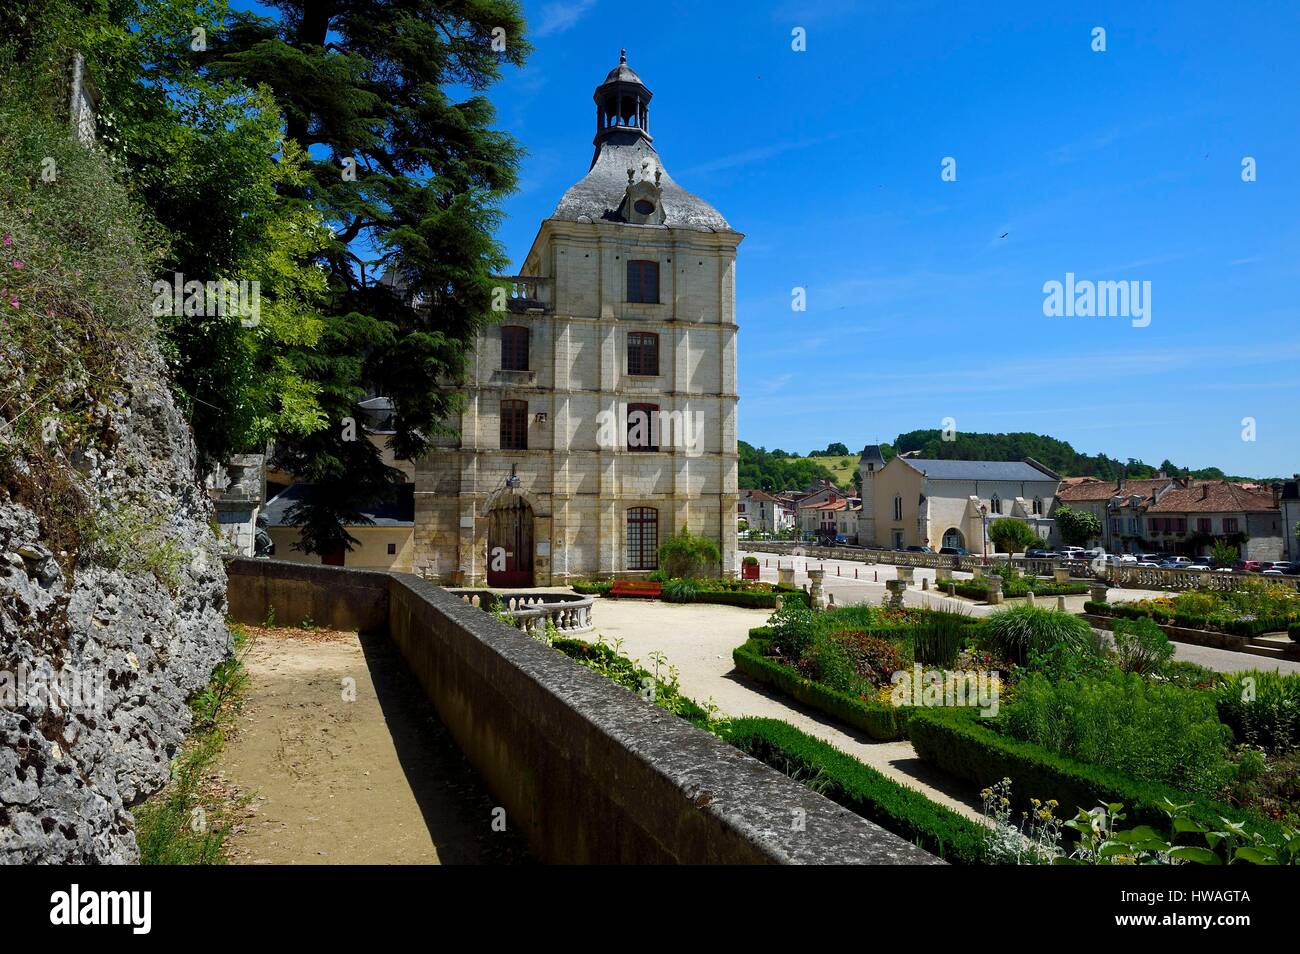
547 480
936 503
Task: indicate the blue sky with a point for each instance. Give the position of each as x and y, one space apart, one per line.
1123 165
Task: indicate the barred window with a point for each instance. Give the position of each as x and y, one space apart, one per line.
514 348
643 281
643 538
514 425
642 353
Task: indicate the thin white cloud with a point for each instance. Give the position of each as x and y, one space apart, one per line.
561 16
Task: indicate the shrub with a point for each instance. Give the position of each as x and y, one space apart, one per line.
678 591
882 722
684 555
859 788
1294 632
957 742
1141 646
750 561
1011 535
1151 731
592 587
851 662
1017 631
939 640
1261 708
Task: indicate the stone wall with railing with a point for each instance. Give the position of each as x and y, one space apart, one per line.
1030 567
569 613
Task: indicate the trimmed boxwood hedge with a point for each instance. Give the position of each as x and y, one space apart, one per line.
1236 627
860 788
955 741
1294 631
751 599
882 722
978 591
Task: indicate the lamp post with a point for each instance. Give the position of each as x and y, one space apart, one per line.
984 522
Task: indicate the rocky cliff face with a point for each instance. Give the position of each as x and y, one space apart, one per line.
112 606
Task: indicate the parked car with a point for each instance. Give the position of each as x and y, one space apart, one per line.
1277 565
841 538
1149 563
1202 564
1125 558
917 549
1175 562
954 551
1292 568
1037 553
1248 566
1072 553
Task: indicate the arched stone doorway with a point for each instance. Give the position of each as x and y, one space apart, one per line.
952 537
510 543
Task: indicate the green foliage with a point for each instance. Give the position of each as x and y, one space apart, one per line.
1141 646
882 722
776 471
1261 708
1018 631
662 686
859 788
939 640
832 450
592 587
184 824
1011 535
1077 527
1224 553
957 742
1150 731
129 536
851 662
679 591
685 555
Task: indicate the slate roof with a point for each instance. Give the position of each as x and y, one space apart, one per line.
597 195
871 454
979 469
399 512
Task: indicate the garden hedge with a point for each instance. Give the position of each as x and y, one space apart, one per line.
1236 627
1294 631
882 722
751 599
860 788
955 741
978 591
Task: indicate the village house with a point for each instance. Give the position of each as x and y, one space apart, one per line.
600 414
1119 506
765 513
1189 520
913 501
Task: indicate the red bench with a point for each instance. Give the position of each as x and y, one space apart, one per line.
645 589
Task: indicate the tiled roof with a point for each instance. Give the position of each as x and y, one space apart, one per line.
978 469
838 504
1212 498
1105 489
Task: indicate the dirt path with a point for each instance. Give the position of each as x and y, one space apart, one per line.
377 780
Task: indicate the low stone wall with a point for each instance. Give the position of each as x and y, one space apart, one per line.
1076 568
587 770
330 596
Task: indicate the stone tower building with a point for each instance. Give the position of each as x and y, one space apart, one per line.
600 412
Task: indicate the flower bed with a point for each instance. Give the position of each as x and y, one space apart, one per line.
956 742
1257 607
1245 627
859 788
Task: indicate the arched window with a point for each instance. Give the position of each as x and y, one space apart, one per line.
898 508
1038 505
995 505
643 538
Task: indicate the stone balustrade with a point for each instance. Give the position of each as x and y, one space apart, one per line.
570 613
1154 578
1079 569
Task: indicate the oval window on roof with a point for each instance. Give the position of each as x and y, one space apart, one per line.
644 207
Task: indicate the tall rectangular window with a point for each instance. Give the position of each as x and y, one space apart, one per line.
643 538
1229 524
514 348
514 425
642 353
643 427
1204 524
643 281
